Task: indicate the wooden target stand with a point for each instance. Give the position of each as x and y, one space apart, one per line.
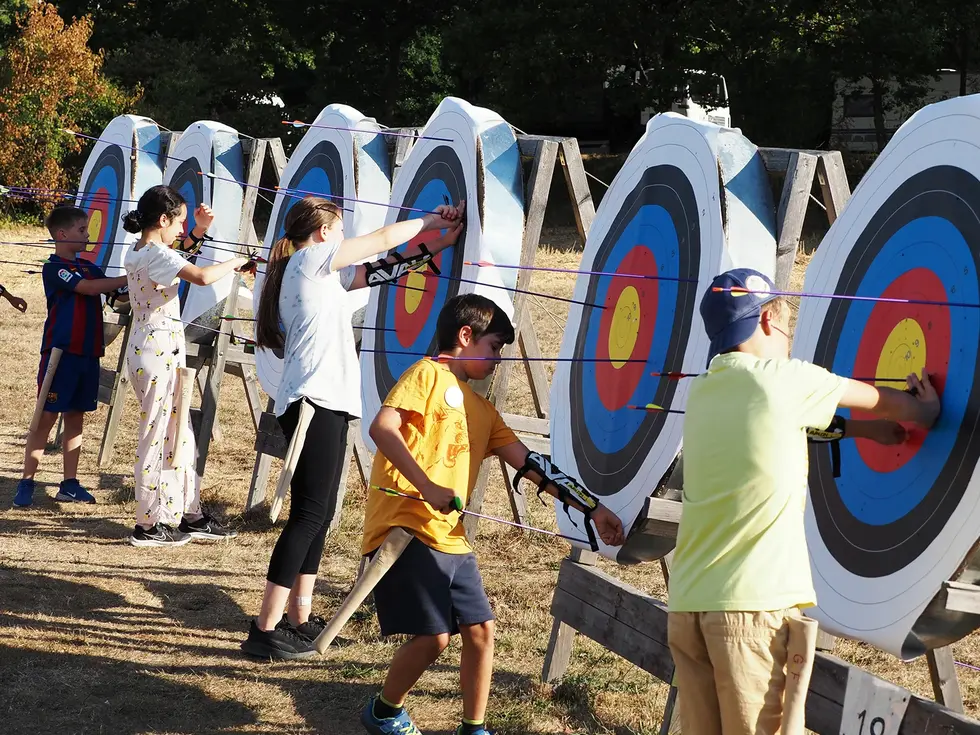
633 625
212 360
545 153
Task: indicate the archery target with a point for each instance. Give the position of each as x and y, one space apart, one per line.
691 201
124 163
482 165
213 148
331 163
899 521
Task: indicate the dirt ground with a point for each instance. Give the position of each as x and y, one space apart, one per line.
99 637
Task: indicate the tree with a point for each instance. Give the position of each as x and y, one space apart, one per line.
50 80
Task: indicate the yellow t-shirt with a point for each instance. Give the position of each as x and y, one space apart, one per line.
741 542
451 431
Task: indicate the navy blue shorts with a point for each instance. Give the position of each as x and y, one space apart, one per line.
427 592
75 386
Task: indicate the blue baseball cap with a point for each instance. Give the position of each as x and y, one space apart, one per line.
730 318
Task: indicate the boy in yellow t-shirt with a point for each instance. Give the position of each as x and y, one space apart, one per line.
741 568
432 434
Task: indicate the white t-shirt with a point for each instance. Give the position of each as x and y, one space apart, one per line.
320 362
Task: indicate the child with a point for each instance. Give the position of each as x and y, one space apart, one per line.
15 301
432 434
73 290
305 312
167 485
741 568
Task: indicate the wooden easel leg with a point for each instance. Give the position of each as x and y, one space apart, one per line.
833 184
559 654
671 723
260 475
471 523
117 400
578 186
792 212
202 385
518 501
945 685
537 376
342 487
362 454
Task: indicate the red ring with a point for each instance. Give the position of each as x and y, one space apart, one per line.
408 326
615 386
918 283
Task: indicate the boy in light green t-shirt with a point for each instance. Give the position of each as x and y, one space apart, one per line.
741 569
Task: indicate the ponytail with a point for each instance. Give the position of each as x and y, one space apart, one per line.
303 219
268 333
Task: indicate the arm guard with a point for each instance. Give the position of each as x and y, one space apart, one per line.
114 295
382 271
832 435
568 488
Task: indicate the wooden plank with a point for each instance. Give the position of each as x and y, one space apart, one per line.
833 184
578 186
607 610
826 641
255 151
471 523
526 424
791 213
942 672
262 465
250 382
116 401
777 159
212 389
269 438
562 640
537 376
277 156
363 457
539 444
353 428
962 597
518 500
663 516
114 318
635 645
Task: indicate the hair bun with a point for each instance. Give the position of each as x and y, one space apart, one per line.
133 222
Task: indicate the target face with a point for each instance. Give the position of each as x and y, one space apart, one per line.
662 218
111 184
482 166
331 163
893 527
216 149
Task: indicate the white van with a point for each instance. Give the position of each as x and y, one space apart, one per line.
693 103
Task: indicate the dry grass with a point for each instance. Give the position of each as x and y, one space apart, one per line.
100 637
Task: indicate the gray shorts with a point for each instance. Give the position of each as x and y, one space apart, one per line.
427 592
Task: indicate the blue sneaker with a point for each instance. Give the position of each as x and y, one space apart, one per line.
25 493
70 491
400 725
482 731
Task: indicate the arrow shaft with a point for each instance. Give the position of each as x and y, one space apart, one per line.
298 124
485 264
851 297
351 199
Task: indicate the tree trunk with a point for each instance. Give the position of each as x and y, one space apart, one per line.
878 93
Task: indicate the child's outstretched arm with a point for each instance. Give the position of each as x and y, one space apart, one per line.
882 431
387 238
15 301
93 286
607 523
918 404
386 433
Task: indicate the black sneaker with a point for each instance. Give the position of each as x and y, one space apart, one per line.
206 527
308 630
160 535
281 643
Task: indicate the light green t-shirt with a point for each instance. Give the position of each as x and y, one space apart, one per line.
741 543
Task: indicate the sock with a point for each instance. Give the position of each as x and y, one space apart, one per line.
469 727
385 710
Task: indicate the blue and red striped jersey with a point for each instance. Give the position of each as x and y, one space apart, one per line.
74 321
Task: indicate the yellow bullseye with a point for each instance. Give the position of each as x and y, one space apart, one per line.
94 228
904 352
415 280
625 327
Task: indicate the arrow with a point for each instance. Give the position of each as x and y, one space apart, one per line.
487 264
738 291
351 199
458 507
301 124
121 145
15 193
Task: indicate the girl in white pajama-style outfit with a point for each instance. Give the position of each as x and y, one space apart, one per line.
167 485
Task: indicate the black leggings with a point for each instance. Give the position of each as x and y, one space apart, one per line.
313 491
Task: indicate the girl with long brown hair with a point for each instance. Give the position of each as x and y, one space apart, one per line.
303 312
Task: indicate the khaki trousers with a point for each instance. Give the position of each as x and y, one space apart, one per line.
731 670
